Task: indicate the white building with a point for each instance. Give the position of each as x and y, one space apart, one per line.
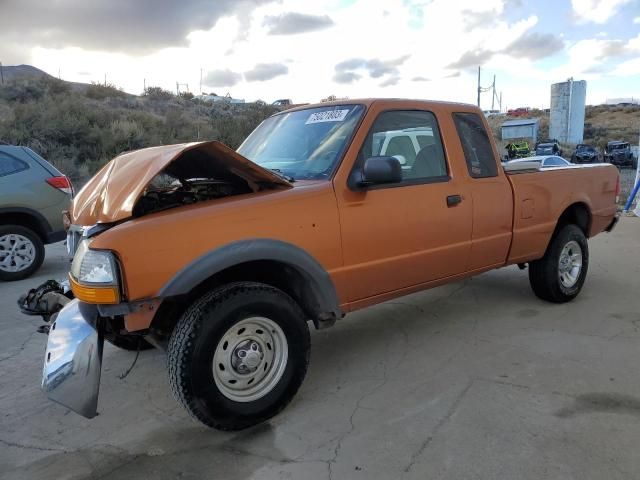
566 119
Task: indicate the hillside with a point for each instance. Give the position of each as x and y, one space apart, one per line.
80 130
24 73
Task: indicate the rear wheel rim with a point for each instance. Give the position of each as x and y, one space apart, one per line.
17 253
570 264
250 359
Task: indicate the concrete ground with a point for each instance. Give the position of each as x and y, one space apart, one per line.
475 380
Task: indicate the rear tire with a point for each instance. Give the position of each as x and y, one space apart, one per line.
559 276
238 355
28 248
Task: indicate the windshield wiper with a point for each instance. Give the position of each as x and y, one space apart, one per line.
278 172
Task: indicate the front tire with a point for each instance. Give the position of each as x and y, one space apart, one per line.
559 276
21 252
238 355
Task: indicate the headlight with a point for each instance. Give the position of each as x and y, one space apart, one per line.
94 277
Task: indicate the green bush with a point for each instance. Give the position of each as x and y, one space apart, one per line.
157 93
99 91
79 133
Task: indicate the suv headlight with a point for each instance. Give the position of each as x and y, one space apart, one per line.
94 275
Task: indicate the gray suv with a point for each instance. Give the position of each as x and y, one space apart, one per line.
33 194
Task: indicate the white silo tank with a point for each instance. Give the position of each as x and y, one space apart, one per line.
566 122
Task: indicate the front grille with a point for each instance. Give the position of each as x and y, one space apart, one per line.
74 236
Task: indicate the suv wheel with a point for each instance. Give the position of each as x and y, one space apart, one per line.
21 252
559 275
238 355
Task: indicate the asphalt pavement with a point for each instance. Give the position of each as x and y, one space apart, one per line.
474 380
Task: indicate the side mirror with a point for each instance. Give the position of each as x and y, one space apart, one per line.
378 170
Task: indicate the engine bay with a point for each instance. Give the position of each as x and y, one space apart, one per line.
165 192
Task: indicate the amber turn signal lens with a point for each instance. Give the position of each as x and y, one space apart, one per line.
98 295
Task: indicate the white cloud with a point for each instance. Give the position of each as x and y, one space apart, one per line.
431 38
636 20
596 11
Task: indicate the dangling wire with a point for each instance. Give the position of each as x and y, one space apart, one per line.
125 374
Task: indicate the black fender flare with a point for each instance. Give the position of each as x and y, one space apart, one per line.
319 291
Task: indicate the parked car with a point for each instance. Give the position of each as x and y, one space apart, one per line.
585 154
619 153
544 161
33 194
549 147
518 112
304 223
283 102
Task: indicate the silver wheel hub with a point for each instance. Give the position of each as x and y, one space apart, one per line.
17 252
570 264
250 359
246 357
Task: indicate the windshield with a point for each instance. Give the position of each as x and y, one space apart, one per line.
305 144
619 146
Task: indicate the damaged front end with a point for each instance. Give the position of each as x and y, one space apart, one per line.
92 306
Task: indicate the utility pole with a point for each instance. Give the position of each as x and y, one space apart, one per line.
493 96
479 88
144 85
105 79
200 83
1 74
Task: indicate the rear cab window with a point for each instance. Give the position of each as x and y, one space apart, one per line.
478 153
10 165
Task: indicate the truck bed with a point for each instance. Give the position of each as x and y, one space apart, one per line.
541 196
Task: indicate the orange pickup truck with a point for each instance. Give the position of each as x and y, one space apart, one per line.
223 257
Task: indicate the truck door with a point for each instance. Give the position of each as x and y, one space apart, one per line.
408 233
491 194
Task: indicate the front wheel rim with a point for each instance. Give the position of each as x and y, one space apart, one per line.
250 359
570 264
17 253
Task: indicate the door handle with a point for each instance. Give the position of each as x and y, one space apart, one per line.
453 200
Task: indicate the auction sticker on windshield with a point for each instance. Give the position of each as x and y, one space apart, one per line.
327 116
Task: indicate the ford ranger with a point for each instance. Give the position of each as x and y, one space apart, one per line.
223 258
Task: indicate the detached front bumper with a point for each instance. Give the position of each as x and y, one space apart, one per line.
73 359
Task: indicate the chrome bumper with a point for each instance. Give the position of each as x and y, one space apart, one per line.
73 359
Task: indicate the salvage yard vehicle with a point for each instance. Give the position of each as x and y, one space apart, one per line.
619 153
548 147
585 154
517 150
33 194
224 257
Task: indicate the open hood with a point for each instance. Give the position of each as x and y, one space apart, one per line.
113 192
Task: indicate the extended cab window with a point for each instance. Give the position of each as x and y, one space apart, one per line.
477 149
10 164
413 138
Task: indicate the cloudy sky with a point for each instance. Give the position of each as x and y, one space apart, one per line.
270 49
